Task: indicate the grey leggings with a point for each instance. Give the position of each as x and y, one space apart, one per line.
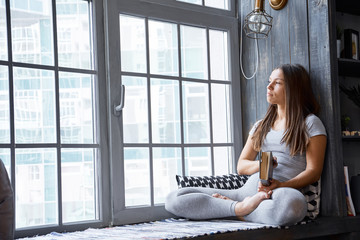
286 206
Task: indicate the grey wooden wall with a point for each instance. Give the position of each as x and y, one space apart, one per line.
301 33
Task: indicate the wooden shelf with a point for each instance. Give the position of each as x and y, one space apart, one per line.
348 6
351 138
349 67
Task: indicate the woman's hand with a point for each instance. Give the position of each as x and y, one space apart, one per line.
273 185
275 163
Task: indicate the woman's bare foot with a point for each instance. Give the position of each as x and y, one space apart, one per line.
250 203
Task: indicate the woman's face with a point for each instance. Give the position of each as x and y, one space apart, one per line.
276 88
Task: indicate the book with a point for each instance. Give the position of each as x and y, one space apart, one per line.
349 202
266 168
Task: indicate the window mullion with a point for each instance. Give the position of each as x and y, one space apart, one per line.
11 95
209 101
57 113
151 173
181 103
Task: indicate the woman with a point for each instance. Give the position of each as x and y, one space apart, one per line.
297 139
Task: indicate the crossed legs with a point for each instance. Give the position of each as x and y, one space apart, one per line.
286 206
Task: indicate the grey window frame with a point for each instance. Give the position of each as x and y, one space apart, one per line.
105 190
102 182
181 13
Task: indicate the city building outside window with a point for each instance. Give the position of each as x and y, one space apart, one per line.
72 159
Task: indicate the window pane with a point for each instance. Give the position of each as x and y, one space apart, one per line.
137 176
133 44
36 187
167 164
135 112
163 48
196 112
222 4
165 111
76 108
221 115
78 184
74 35
194 52
34 98
223 160
197 161
32 31
198 2
3 32
6 158
4 106
219 60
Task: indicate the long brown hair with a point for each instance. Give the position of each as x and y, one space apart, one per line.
300 102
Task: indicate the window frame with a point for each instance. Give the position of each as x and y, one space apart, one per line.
194 13
102 189
182 14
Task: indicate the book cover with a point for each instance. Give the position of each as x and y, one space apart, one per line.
349 202
266 168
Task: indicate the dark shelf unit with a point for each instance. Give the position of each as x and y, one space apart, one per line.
351 138
349 67
348 6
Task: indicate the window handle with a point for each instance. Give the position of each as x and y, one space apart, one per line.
119 108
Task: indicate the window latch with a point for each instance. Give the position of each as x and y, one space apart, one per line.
119 108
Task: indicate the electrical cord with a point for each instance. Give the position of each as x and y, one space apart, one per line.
257 57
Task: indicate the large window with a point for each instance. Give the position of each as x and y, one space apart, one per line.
75 160
180 78
48 136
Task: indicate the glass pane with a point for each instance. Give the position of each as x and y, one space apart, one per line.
32 31
196 112
194 52
165 111
6 158
3 32
78 184
34 98
163 48
36 187
198 2
137 176
133 44
76 108
221 115
197 161
167 163
135 112
219 59
222 4
4 106
223 163
73 33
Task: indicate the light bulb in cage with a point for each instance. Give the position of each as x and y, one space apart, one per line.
258 23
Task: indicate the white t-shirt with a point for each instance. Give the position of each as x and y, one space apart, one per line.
289 167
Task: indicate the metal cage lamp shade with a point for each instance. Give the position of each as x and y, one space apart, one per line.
258 23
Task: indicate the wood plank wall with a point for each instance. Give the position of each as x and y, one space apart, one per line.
301 33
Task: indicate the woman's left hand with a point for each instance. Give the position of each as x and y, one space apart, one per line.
273 184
